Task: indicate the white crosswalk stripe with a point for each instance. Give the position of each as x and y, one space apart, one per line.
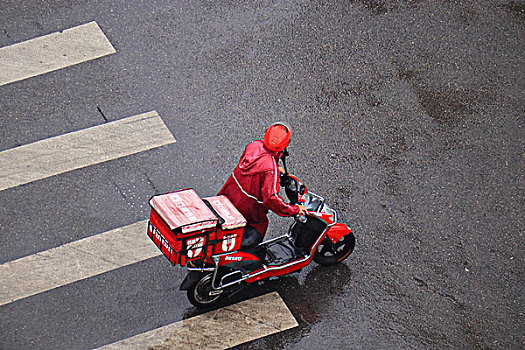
82 148
52 52
217 330
75 261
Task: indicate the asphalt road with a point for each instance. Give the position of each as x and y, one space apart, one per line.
408 118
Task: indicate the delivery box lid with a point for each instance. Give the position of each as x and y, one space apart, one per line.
184 209
232 217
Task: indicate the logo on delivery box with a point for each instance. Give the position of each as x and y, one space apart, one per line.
228 243
195 246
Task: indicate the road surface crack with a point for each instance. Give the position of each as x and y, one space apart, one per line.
102 114
151 183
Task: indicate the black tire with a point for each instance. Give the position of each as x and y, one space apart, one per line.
328 253
199 293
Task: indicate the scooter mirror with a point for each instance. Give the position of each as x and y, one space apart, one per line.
283 158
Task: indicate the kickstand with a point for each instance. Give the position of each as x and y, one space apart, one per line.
241 288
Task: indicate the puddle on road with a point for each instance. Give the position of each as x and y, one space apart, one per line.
444 107
307 295
375 5
515 9
447 107
381 8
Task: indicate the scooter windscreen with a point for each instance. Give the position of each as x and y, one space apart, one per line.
313 202
306 234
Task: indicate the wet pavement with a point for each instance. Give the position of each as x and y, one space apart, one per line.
408 118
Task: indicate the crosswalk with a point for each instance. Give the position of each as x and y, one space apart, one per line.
82 259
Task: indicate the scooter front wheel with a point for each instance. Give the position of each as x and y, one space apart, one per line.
202 295
328 253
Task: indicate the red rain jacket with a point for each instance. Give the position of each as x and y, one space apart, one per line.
253 187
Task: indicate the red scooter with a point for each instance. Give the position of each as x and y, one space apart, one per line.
217 263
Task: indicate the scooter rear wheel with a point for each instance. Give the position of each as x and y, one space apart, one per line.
328 253
201 294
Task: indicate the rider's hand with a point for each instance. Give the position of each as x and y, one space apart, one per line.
302 210
281 170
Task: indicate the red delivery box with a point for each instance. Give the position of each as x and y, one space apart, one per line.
185 227
182 226
228 236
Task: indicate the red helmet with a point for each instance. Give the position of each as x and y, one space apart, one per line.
277 137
